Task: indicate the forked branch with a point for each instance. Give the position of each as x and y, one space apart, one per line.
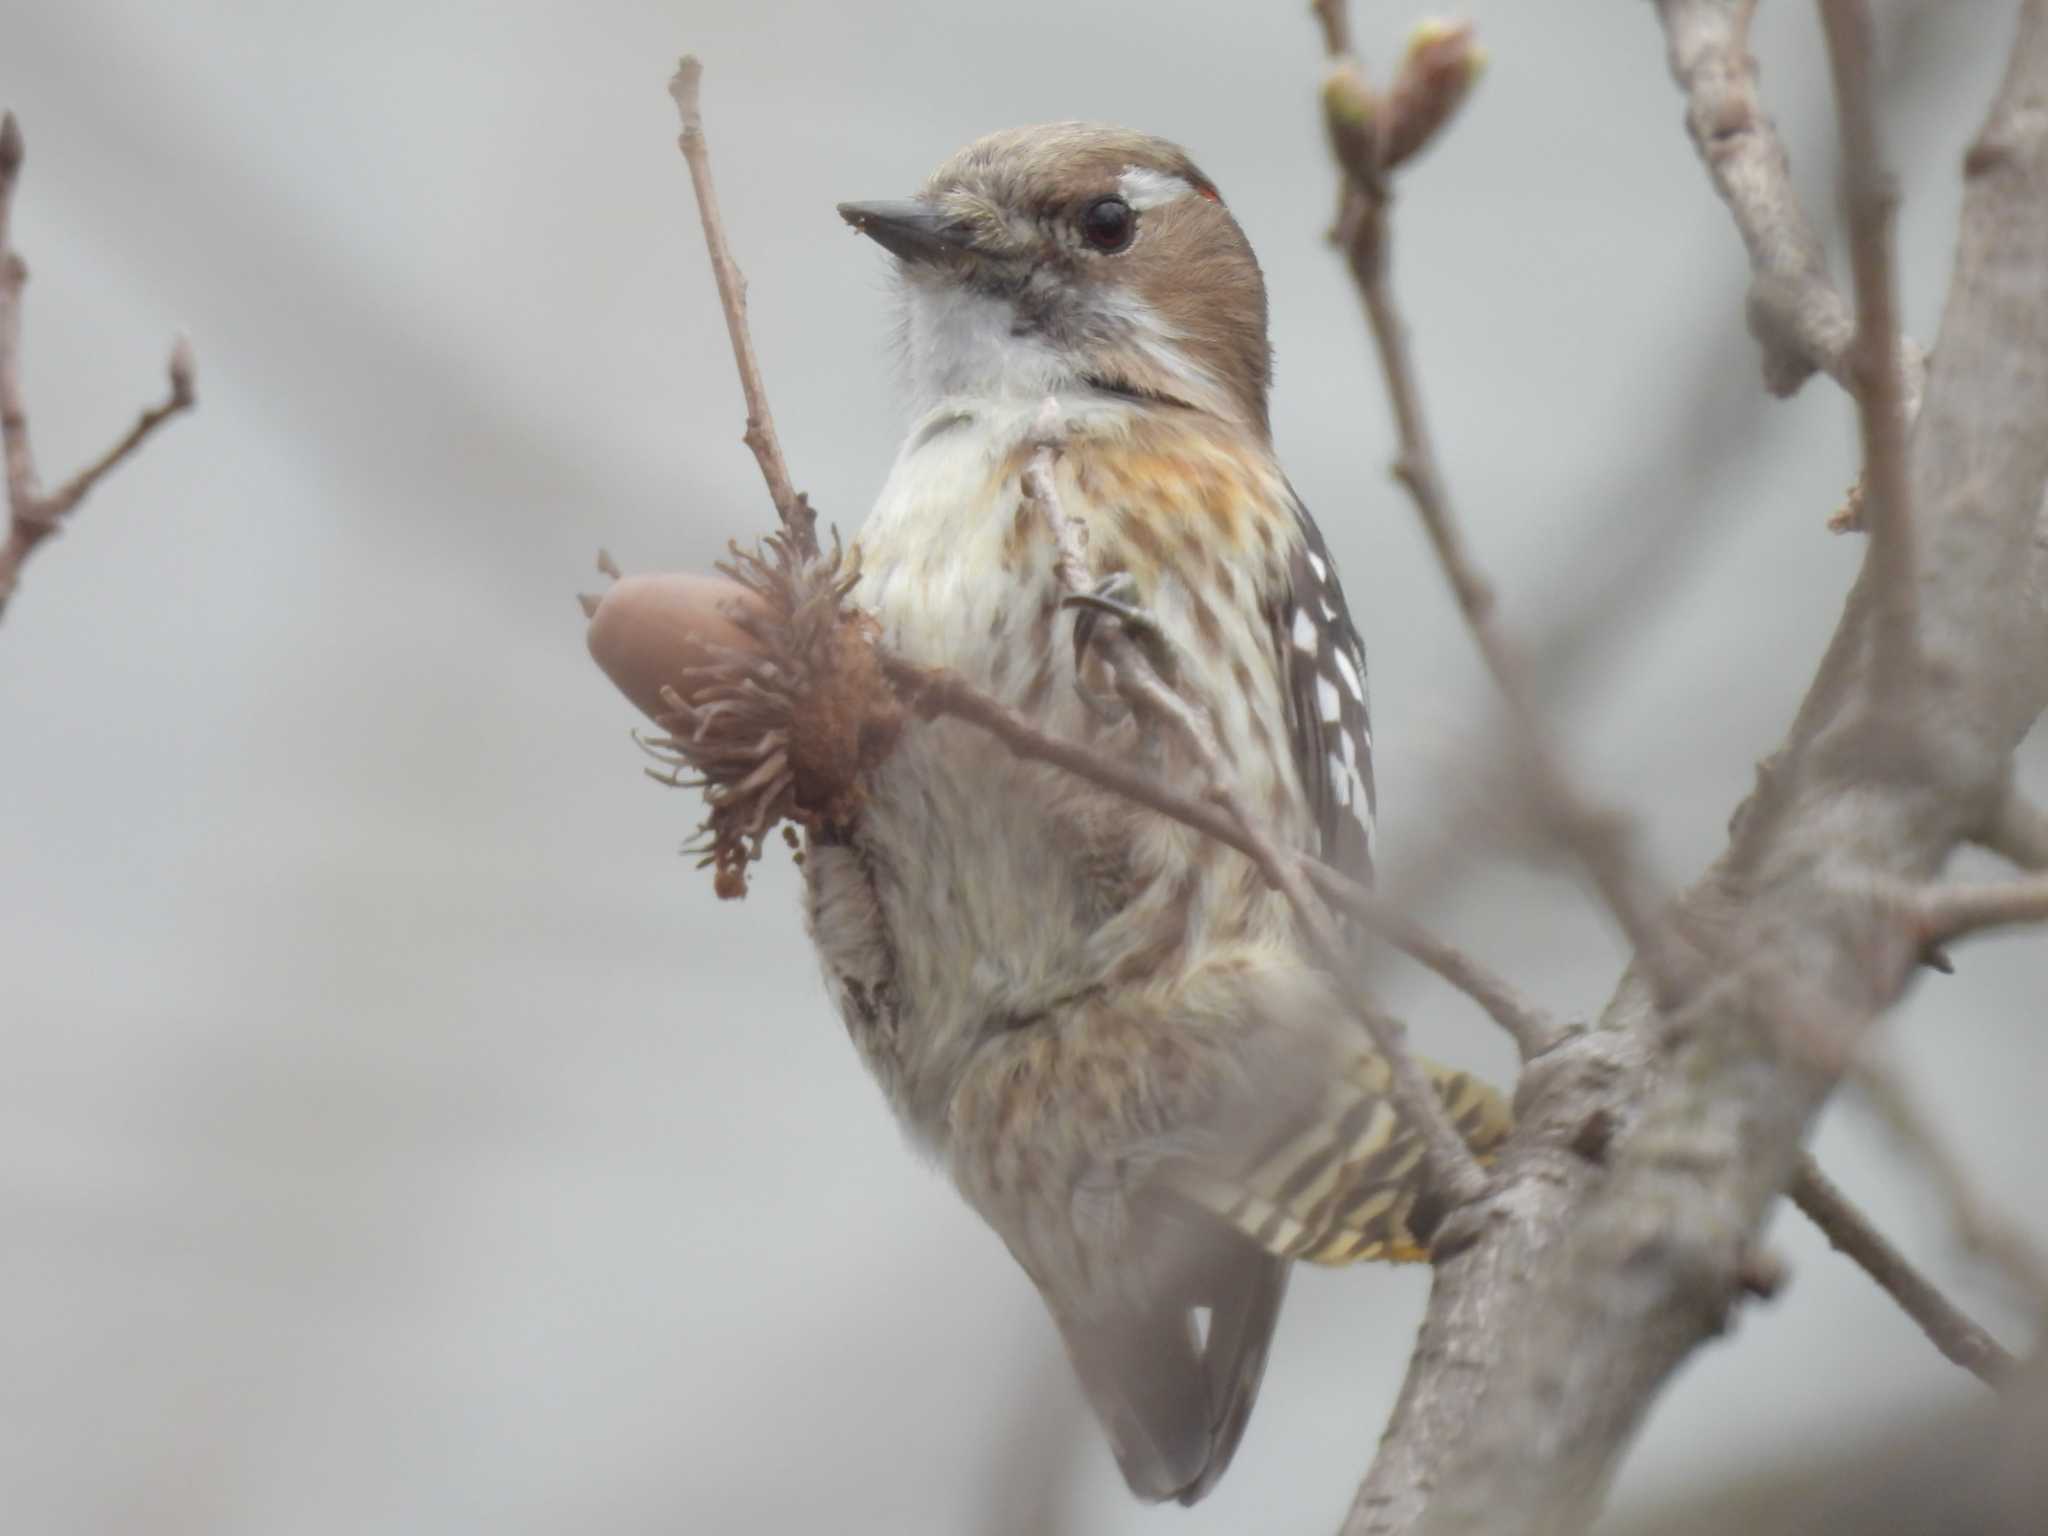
1799 317
33 515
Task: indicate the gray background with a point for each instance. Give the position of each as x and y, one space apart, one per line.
395 1133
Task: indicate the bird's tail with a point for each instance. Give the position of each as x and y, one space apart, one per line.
1346 1185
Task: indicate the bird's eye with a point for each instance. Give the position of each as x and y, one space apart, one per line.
1109 223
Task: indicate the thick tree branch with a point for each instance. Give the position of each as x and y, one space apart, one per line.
1799 318
1584 1287
34 515
1851 1232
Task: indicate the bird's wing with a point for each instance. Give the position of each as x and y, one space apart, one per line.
1176 1401
1174 1397
1323 661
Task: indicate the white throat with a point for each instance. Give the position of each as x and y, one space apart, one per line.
965 344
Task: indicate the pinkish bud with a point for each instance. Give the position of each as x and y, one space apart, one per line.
1351 118
647 630
1443 62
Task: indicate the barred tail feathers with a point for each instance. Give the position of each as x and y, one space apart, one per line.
1346 1187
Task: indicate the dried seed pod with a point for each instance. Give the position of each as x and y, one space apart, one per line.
769 688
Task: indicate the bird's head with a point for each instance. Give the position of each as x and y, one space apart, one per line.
1076 256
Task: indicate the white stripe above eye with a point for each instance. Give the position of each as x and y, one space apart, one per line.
1145 188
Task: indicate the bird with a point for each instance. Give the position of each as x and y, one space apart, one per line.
1105 1028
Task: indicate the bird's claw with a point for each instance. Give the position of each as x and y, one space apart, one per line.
1114 597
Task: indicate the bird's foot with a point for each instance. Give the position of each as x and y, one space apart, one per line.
1114 598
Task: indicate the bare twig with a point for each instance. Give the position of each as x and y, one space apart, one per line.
1334 17
34 515
1980 1229
1454 1171
1851 1232
1800 319
790 505
939 691
1869 206
1533 1029
1599 839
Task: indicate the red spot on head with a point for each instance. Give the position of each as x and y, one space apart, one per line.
1208 192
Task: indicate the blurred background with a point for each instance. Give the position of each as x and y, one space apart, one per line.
396 1133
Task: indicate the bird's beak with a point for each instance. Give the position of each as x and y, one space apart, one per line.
915 230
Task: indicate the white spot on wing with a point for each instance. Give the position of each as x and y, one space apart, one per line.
1350 674
1304 632
1327 698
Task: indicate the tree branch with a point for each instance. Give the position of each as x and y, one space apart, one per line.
34 516
2017 831
795 511
1453 1170
1851 1232
1599 839
1799 318
1941 914
1612 1240
1978 1227
939 691
1584 1287
1870 206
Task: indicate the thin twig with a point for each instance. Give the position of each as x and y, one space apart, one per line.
940 691
1453 1169
1869 205
1799 317
1599 839
1850 1231
1334 17
790 506
1532 1028
1980 1229
34 516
